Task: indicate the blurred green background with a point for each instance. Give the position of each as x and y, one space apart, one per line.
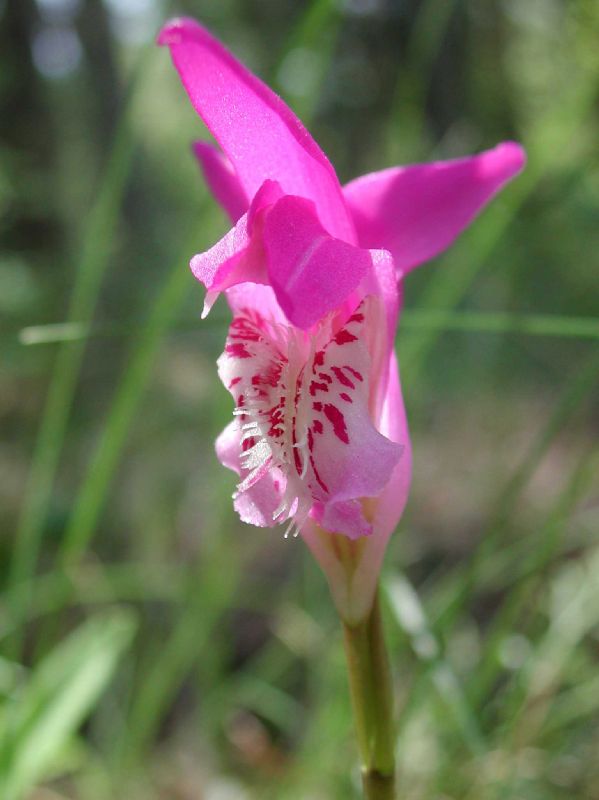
152 646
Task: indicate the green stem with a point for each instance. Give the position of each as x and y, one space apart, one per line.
372 699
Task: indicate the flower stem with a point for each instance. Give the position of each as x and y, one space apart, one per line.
372 700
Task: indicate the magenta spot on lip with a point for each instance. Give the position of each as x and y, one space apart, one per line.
317 387
354 372
346 397
320 481
337 420
345 337
242 328
342 378
246 336
296 456
237 350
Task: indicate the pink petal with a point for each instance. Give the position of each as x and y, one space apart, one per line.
257 297
227 447
353 589
416 212
348 457
393 424
256 130
388 508
391 502
346 518
311 272
221 179
251 365
238 257
257 504
252 358
225 264
382 282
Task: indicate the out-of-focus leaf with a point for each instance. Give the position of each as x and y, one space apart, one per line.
40 719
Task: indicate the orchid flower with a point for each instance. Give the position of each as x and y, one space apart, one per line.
312 272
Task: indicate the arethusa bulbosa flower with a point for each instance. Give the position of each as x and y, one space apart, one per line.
313 273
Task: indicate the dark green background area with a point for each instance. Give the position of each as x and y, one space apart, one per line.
152 646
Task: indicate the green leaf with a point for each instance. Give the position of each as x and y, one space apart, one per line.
40 719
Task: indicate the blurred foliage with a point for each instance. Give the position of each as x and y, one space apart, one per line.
230 682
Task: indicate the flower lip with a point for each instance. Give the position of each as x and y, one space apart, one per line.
302 402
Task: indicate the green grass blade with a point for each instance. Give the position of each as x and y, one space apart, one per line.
96 249
410 615
59 694
416 319
90 499
96 584
576 391
500 323
573 612
311 39
548 539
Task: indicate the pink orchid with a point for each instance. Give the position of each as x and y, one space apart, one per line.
311 271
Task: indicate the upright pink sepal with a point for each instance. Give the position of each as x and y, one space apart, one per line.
256 130
416 212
